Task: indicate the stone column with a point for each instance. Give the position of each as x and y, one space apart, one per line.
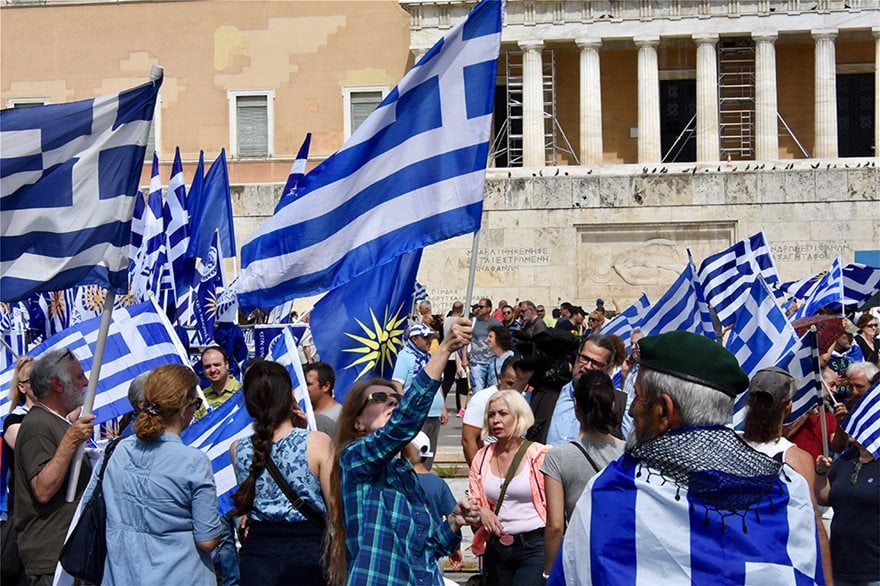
766 129
826 94
533 104
876 31
649 100
708 142
591 102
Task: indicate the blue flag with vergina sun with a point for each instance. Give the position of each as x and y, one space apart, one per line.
359 327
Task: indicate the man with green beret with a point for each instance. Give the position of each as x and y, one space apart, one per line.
690 502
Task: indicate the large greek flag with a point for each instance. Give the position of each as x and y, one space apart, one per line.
681 308
630 526
412 174
860 282
69 174
727 276
139 340
828 291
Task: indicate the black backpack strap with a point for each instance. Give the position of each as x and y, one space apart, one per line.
586 455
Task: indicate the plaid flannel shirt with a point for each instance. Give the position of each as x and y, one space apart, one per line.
391 537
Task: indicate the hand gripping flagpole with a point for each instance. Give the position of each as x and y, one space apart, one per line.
89 401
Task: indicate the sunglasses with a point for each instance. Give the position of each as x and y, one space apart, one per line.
874 325
65 355
383 397
197 403
592 320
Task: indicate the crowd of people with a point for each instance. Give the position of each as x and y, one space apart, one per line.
573 477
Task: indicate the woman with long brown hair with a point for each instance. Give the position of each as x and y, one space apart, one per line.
281 546
383 530
162 520
867 338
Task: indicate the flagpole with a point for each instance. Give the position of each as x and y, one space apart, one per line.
821 396
89 401
475 248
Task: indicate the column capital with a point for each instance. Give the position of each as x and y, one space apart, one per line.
531 45
705 38
821 34
765 37
646 41
588 43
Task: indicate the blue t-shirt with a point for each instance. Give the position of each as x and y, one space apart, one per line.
404 374
440 497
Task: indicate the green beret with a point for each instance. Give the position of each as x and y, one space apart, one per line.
694 358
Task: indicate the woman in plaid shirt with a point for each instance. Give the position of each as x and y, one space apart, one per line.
382 525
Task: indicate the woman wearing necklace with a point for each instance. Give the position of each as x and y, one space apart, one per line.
850 486
505 479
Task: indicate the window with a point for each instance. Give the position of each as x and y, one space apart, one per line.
251 123
26 102
358 103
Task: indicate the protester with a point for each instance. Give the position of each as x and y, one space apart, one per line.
160 495
505 480
223 385
595 321
849 486
21 399
475 416
454 373
320 380
382 527
281 545
44 448
867 339
501 344
806 431
859 377
689 502
136 400
568 467
479 358
532 322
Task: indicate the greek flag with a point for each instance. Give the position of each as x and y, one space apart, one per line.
630 526
800 289
176 221
860 283
69 174
137 231
727 276
827 292
762 334
213 434
682 308
210 209
412 174
297 171
420 293
863 422
140 339
151 261
623 324
283 351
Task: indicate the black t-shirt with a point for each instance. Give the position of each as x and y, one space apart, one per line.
9 457
855 527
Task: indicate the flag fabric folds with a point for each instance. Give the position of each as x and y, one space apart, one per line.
681 308
863 422
283 351
265 335
828 291
375 306
211 210
623 324
297 171
140 339
412 174
860 282
206 292
150 266
213 434
69 174
727 276
176 220
802 362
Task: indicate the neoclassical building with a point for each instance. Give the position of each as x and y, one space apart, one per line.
626 131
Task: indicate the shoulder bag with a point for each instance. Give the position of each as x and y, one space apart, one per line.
85 551
305 509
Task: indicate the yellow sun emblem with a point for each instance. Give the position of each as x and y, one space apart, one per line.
93 298
379 344
57 304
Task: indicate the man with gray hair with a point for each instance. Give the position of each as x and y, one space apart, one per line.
47 443
689 502
136 398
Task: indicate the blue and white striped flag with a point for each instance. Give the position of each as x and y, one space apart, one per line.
863 422
137 231
283 351
213 434
176 219
632 526
623 324
69 174
860 283
140 339
297 171
420 293
727 276
828 292
412 174
800 289
681 308
13 334
151 262
762 334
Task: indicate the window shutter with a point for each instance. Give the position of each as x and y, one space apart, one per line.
253 126
362 105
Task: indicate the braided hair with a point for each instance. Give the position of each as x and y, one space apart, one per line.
268 396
